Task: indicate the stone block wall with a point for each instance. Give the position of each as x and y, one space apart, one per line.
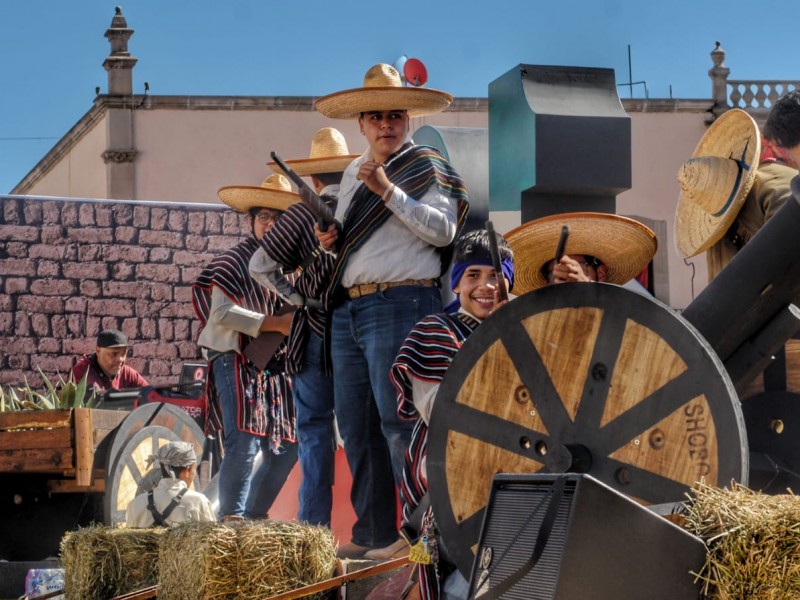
71 268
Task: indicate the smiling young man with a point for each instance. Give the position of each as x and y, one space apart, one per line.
401 206
417 373
106 368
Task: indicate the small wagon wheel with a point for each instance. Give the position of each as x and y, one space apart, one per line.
580 378
139 435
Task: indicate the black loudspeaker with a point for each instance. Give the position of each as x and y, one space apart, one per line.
571 537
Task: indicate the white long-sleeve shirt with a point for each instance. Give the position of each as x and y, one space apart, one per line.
226 320
405 246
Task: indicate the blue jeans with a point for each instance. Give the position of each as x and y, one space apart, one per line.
366 335
242 492
313 402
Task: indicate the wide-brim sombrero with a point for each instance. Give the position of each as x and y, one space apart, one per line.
625 246
329 154
383 90
275 192
715 182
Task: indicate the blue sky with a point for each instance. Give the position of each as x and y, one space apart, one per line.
51 51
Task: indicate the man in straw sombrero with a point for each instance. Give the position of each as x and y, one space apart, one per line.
291 244
401 206
601 247
253 408
735 181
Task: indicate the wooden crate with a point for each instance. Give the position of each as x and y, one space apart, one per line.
67 443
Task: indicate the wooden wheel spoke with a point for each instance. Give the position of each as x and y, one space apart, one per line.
645 485
649 411
534 375
492 430
601 370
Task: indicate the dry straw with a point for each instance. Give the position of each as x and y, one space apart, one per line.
753 542
201 561
103 562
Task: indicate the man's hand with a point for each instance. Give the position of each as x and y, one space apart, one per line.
280 323
568 269
374 177
327 238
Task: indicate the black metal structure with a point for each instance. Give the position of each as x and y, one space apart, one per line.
562 537
559 141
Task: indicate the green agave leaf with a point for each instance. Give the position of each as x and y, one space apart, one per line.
67 395
80 391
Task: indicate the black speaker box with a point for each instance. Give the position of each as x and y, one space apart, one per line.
571 537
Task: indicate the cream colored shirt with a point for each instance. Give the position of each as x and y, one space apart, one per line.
226 320
194 506
405 246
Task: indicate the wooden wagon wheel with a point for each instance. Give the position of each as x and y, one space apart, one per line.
580 378
139 435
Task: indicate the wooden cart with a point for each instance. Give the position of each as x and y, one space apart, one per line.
60 469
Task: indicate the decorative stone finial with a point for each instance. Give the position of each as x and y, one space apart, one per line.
119 63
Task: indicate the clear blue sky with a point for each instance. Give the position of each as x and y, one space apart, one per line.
52 50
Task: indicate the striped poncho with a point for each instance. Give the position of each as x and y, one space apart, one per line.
292 243
426 355
264 399
414 169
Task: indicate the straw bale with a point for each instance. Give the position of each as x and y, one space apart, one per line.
753 542
101 562
204 561
198 561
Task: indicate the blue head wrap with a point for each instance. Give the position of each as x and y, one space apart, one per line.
458 269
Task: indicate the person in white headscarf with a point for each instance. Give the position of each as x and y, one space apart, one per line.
171 502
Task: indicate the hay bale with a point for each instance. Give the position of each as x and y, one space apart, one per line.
198 561
201 561
102 562
753 542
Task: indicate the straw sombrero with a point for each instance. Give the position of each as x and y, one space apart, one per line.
383 90
275 192
623 245
329 154
715 181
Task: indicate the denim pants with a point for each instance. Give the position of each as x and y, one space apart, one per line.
313 402
366 335
242 492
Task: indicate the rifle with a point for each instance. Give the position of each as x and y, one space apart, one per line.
317 205
561 248
498 269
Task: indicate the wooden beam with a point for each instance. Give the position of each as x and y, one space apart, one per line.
84 446
341 580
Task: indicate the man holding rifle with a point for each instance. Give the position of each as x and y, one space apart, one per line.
600 247
288 246
400 206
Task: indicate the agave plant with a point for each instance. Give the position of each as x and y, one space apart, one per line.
64 394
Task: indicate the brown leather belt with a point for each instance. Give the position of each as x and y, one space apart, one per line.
365 289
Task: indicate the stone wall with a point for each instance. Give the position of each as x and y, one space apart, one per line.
71 268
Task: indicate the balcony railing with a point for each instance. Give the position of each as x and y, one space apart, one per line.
756 97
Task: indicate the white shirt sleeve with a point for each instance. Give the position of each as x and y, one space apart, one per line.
433 217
